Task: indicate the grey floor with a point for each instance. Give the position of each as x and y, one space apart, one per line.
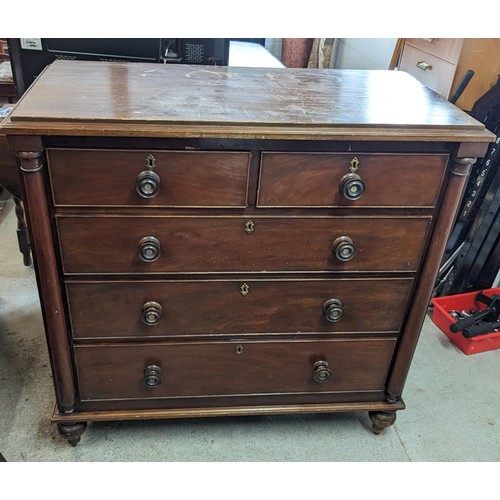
452 415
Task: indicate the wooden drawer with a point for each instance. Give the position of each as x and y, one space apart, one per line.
439 73
444 48
106 310
230 368
109 244
187 178
313 179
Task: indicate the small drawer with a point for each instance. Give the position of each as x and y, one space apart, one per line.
329 180
429 70
168 370
82 177
143 310
109 244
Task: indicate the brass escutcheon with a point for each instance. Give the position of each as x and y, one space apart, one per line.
244 289
150 162
354 165
239 350
249 226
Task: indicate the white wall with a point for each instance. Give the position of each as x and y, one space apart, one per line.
273 45
364 53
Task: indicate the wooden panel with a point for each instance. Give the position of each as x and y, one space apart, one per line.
127 99
437 77
109 244
482 55
313 179
114 309
187 178
444 48
208 369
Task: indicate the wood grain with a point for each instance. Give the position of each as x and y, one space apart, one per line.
107 244
208 369
221 352
187 178
252 408
217 307
177 99
45 261
423 290
313 179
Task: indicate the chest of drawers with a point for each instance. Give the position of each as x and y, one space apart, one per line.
231 241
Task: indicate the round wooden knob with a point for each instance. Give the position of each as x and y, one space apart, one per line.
149 249
151 313
333 310
321 372
351 186
344 248
147 184
152 376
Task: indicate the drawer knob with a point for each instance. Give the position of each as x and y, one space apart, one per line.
352 186
152 376
147 184
321 372
151 313
344 248
149 249
333 310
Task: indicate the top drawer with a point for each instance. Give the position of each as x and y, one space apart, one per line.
316 179
445 48
87 177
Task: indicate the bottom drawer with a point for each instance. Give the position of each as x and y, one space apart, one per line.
170 370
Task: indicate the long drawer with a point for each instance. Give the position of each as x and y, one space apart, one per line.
110 244
315 179
231 368
155 309
82 177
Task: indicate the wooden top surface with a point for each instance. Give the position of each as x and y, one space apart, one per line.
138 99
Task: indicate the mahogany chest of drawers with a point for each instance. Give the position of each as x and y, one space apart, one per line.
234 241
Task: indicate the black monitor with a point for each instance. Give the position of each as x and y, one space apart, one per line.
29 56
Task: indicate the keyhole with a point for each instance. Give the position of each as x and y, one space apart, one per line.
249 227
239 349
150 162
354 164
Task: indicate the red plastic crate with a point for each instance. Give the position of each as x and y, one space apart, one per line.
441 318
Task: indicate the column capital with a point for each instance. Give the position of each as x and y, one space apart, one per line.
462 166
30 161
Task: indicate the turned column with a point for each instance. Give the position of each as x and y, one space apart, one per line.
459 173
31 164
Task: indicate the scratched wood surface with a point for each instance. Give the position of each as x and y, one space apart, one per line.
86 94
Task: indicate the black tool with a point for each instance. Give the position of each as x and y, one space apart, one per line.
480 322
469 321
480 329
461 87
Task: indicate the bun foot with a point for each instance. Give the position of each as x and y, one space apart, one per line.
72 432
381 420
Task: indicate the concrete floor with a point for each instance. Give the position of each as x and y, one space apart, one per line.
452 415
